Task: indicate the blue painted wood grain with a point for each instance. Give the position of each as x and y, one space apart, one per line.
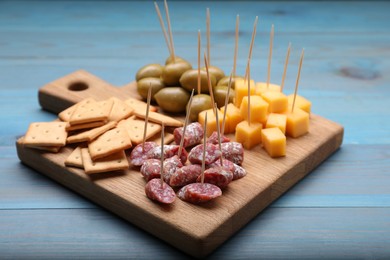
340 210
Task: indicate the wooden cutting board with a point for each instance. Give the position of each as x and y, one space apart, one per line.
194 229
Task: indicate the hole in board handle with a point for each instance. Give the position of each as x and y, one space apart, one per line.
78 86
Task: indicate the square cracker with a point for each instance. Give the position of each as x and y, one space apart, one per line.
45 134
113 162
159 118
110 142
90 135
135 129
168 138
67 113
75 159
120 110
85 126
139 105
91 112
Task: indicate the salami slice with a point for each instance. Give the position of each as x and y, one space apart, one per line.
185 175
228 165
137 157
199 192
212 154
169 151
161 193
238 172
171 165
233 152
194 134
213 139
218 176
150 169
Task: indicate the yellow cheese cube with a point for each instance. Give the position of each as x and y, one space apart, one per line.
241 90
300 102
248 134
274 141
258 109
261 87
277 101
233 117
297 122
211 120
277 120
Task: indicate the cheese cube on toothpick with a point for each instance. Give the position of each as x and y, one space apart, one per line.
258 109
211 121
277 101
233 117
248 134
297 122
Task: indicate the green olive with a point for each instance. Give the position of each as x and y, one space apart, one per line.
172 99
151 70
143 86
225 81
177 58
199 103
172 72
217 72
189 80
220 93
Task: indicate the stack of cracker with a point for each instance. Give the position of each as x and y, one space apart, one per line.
102 130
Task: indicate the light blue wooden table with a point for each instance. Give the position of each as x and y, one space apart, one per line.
341 210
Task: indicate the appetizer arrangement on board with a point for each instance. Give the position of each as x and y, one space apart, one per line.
114 134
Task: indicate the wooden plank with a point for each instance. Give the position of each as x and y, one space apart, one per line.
330 185
277 233
212 223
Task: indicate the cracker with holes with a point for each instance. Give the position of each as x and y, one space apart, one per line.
89 135
113 162
120 110
91 112
67 113
159 118
84 126
75 159
138 105
110 142
135 129
46 134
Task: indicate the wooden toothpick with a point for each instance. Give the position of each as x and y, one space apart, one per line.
271 43
199 63
285 67
186 123
162 156
169 30
236 45
251 47
163 28
218 131
297 82
146 116
208 79
208 33
204 148
226 103
249 96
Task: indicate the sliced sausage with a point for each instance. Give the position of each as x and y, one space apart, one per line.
137 156
161 193
233 152
169 151
194 134
171 165
218 176
213 139
150 169
185 175
212 154
225 163
238 172
199 192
